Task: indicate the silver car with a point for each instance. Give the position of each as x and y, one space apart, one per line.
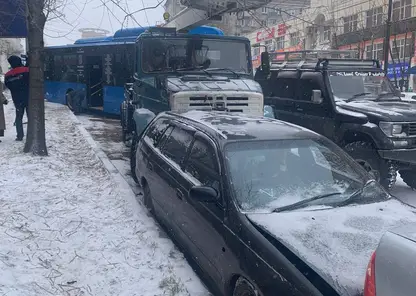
392 267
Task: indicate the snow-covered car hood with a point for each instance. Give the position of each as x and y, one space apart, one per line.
384 110
215 83
337 242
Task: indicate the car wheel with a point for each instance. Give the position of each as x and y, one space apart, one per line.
366 155
409 177
147 198
244 288
133 150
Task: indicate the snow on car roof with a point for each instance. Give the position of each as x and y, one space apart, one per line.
234 126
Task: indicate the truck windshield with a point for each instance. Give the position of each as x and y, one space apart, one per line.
182 54
351 85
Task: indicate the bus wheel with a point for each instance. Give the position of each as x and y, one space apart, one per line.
69 99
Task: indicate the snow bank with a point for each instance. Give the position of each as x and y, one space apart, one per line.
65 229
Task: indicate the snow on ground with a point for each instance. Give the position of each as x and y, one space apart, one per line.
65 229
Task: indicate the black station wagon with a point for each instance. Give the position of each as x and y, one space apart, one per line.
261 206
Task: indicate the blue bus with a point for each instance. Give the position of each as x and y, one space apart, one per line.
91 73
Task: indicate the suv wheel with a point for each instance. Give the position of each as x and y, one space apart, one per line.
365 154
133 149
244 288
409 177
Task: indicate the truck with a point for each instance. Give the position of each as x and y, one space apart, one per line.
180 72
348 100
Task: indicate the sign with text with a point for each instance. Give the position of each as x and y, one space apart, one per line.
265 35
281 29
13 19
399 68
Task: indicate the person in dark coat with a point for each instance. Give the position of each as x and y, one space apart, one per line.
17 80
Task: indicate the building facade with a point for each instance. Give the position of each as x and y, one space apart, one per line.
239 24
348 25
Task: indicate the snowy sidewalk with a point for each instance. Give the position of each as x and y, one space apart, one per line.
66 229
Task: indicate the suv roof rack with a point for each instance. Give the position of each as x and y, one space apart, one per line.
340 60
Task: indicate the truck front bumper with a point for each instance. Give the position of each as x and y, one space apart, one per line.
400 155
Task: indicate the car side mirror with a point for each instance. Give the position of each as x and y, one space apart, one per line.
203 194
316 96
265 62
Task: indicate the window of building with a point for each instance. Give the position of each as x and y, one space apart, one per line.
402 9
280 42
374 51
350 23
272 22
401 49
326 36
264 9
270 45
374 17
294 39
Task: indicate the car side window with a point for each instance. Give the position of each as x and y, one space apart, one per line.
202 164
176 144
156 131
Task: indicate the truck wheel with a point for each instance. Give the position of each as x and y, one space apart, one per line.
409 177
367 156
244 288
133 149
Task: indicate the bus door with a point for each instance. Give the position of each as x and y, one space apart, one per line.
94 65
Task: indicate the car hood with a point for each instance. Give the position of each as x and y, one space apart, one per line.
337 242
205 83
384 110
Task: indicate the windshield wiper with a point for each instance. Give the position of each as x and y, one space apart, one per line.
387 94
358 95
194 68
304 202
224 69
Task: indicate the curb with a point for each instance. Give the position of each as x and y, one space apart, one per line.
124 187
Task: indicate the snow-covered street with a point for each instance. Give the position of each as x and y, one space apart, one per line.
68 228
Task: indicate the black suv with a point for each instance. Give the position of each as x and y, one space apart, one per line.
262 206
348 100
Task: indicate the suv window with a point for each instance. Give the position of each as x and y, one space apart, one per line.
308 83
157 129
202 164
177 144
285 88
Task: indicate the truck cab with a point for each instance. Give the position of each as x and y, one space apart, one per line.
196 70
348 100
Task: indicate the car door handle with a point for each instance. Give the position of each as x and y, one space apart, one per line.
299 109
179 194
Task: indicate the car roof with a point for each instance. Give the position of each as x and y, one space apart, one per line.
227 126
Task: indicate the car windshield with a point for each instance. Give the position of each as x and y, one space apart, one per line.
363 85
181 54
267 175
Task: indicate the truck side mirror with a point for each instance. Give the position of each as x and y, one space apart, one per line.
265 62
316 96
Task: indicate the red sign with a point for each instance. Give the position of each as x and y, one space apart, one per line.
281 29
265 35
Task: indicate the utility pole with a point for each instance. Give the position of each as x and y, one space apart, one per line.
387 36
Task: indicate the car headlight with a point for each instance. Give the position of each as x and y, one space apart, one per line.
392 129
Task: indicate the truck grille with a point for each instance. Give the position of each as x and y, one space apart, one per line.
229 101
231 104
412 129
